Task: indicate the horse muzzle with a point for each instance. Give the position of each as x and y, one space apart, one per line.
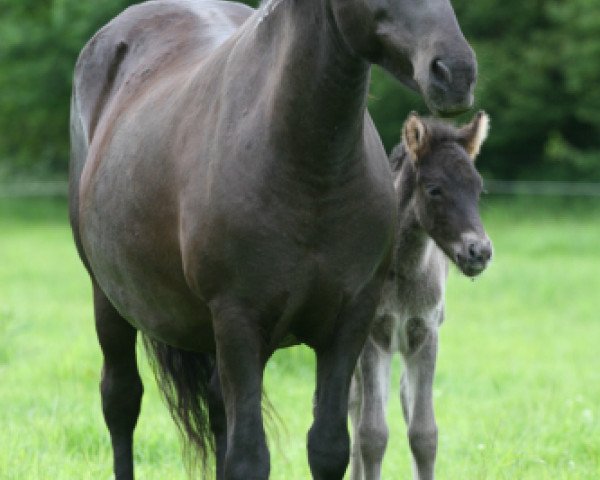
448 84
473 256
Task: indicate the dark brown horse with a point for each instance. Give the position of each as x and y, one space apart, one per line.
229 193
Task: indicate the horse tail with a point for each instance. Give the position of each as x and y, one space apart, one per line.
183 378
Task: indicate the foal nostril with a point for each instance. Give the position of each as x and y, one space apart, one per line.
480 253
441 72
486 252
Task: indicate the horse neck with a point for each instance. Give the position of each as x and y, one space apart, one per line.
414 246
319 87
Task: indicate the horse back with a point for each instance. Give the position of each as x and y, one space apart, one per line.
142 44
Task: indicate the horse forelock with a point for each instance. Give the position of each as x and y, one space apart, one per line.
439 131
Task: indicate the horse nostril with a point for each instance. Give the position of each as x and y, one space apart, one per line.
486 252
479 252
441 72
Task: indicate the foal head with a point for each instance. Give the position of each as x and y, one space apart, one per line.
442 186
419 42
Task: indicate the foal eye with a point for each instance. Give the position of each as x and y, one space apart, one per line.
433 191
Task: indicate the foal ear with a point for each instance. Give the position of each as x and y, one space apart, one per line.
414 136
472 135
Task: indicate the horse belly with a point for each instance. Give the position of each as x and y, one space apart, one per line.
146 285
129 227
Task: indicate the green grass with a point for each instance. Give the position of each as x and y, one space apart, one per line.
517 389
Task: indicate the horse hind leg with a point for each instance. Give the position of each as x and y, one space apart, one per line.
416 393
120 387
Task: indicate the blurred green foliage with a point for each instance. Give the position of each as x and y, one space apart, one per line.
538 64
39 44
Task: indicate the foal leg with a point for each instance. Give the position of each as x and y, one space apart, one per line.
354 409
374 364
240 361
328 439
121 387
416 393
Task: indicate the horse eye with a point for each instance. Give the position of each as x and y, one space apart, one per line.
433 191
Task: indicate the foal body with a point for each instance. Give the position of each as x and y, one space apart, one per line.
412 305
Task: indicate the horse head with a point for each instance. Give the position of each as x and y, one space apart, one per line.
419 42
447 186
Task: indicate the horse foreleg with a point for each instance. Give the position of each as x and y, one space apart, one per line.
240 364
328 438
417 398
121 387
374 365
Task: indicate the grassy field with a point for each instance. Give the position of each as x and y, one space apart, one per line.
517 390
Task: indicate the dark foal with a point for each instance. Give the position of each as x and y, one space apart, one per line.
438 191
229 192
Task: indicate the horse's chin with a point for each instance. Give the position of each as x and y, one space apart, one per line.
445 109
468 269
471 270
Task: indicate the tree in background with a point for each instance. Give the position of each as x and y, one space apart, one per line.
40 41
539 76
577 42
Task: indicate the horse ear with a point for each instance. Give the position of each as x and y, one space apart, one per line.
474 134
414 136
